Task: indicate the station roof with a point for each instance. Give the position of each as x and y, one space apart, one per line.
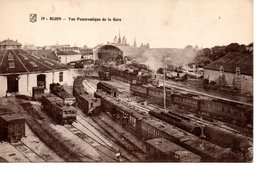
18 61
44 52
232 60
86 51
9 42
129 51
67 52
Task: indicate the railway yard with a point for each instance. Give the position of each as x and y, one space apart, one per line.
120 128
167 82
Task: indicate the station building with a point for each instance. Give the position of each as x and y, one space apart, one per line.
234 70
10 44
87 53
67 56
20 71
117 53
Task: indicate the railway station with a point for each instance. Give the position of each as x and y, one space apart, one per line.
121 110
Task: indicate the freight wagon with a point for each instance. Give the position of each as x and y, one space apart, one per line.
156 94
87 103
109 89
104 75
162 150
227 111
12 127
147 127
218 135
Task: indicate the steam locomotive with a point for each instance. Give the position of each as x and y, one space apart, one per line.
129 74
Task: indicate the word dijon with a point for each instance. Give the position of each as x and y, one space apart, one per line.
93 19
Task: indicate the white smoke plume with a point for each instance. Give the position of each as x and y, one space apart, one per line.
175 57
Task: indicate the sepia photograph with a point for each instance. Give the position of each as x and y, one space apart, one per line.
141 81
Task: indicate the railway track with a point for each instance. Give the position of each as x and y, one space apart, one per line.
101 130
96 128
98 138
58 146
97 143
107 152
206 123
120 140
29 153
170 84
200 121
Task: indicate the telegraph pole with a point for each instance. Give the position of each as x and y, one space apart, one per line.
164 94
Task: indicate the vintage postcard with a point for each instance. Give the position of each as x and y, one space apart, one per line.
126 81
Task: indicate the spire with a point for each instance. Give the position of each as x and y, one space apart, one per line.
135 43
115 39
119 37
124 40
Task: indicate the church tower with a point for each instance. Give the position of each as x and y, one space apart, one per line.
135 43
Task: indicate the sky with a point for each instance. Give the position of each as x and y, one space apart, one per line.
161 23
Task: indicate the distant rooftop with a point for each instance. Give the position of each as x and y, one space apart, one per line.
9 42
232 60
45 53
86 51
67 52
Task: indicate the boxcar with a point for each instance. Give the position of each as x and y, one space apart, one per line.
12 127
108 104
104 75
227 111
147 127
156 94
139 89
111 90
152 128
162 150
54 106
128 118
89 104
187 101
